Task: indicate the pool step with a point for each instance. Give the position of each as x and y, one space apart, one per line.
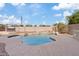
12 36
52 39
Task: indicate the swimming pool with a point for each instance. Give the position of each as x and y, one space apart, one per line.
36 39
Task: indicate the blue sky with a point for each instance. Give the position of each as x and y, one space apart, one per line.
42 13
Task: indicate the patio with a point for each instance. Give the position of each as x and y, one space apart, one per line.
65 45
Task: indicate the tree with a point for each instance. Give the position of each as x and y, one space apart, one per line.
2 27
61 27
74 18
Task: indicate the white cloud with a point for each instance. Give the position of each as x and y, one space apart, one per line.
15 4
62 6
57 15
55 7
4 19
18 4
18 21
66 13
61 21
13 20
75 6
66 6
22 4
25 22
68 9
2 5
11 17
0 15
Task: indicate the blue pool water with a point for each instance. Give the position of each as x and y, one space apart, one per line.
36 39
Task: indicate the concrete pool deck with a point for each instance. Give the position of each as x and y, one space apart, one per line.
65 45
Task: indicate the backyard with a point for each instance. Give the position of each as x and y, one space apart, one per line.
39 30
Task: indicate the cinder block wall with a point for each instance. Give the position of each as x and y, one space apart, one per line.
77 35
33 29
72 28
